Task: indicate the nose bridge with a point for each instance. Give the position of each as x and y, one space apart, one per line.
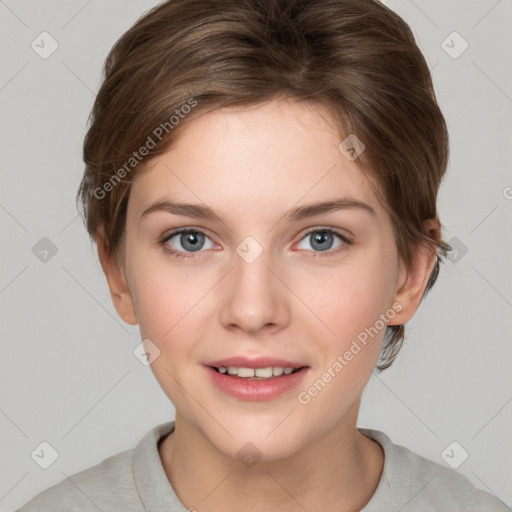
254 298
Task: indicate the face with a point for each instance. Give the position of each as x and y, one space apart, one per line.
248 279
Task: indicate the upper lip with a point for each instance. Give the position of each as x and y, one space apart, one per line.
254 362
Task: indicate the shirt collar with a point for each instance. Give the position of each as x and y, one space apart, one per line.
158 495
152 483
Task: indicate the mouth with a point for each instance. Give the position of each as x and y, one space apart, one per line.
255 379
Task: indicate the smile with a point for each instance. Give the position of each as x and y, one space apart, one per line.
256 373
256 380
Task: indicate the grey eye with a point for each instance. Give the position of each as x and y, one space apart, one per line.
190 241
321 240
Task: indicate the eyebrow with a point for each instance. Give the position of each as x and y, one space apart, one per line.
294 214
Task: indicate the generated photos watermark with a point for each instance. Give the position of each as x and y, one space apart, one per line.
151 142
305 397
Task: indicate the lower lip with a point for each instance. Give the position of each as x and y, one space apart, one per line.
255 390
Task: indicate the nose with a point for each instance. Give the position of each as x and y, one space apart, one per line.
254 298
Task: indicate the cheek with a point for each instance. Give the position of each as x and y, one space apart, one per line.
355 306
163 296
352 299
169 313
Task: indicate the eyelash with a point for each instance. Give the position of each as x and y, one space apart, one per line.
317 254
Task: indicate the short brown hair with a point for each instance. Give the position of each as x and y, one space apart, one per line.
356 57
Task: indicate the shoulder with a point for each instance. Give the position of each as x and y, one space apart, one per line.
131 481
96 488
410 482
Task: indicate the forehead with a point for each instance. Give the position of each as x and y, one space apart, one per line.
259 160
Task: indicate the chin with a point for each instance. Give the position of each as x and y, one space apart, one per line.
262 439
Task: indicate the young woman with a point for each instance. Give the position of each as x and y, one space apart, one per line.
261 181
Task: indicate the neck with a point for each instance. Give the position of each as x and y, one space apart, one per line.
337 472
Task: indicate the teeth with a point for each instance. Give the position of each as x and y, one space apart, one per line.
263 372
270 371
245 372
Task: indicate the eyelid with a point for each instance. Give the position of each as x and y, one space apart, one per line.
330 229
177 231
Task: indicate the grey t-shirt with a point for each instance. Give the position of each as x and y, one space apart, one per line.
135 481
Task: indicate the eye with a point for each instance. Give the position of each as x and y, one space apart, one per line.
182 241
323 239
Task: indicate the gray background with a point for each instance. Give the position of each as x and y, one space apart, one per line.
68 375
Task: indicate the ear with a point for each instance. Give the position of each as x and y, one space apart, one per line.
116 279
412 281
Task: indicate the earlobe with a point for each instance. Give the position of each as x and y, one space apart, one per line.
412 281
116 279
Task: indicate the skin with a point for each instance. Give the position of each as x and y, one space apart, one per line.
263 161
